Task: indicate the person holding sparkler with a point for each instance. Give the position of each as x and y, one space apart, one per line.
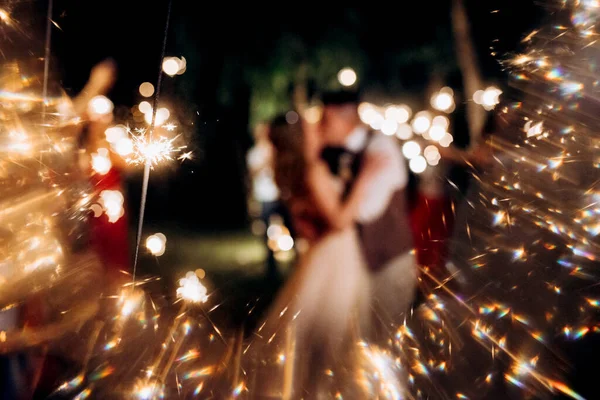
110 228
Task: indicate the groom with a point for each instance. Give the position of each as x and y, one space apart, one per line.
383 224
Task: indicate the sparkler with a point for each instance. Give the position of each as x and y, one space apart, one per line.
153 151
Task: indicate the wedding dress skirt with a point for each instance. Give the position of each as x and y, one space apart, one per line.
322 312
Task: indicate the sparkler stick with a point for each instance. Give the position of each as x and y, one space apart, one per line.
147 165
47 56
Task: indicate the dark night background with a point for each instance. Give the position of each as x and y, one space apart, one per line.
240 65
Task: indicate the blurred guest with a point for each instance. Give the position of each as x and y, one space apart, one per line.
432 215
265 193
110 234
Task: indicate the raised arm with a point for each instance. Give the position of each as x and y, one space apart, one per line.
102 78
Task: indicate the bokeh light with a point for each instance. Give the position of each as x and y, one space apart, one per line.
446 140
411 149
115 133
285 242
367 112
488 98
145 107
162 115
377 122
437 133
170 66
4 17
99 106
347 77
146 89
101 163
422 122
389 127
404 132
291 117
418 164
441 120
156 244
443 100
112 203
191 289
432 155
123 147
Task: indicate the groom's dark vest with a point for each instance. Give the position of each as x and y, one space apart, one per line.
388 236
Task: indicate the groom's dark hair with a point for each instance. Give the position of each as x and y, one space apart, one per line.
340 97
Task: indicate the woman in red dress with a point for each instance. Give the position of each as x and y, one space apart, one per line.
110 234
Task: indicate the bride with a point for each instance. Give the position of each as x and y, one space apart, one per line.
325 306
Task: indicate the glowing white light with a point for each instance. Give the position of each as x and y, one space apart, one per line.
478 97
490 97
389 127
148 390
191 289
411 149
155 151
101 163
432 155
418 164
145 107
404 132
100 105
441 120
19 142
442 101
403 114
156 244
4 16
431 152
112 202
131 301
534 129
274 231
115 133
285 242
422 122
400 114
377 122
433 162
123 147
446 140
182 65
390 112
146 89
170 66
436 133
367 112
162 115
347 77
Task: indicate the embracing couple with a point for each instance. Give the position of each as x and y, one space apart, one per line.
344 186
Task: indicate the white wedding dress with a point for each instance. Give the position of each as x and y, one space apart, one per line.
323 310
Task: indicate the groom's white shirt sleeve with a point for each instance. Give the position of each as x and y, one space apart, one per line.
393 177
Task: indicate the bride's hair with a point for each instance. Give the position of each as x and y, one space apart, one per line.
289 159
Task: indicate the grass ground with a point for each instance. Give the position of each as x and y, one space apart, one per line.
235 266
